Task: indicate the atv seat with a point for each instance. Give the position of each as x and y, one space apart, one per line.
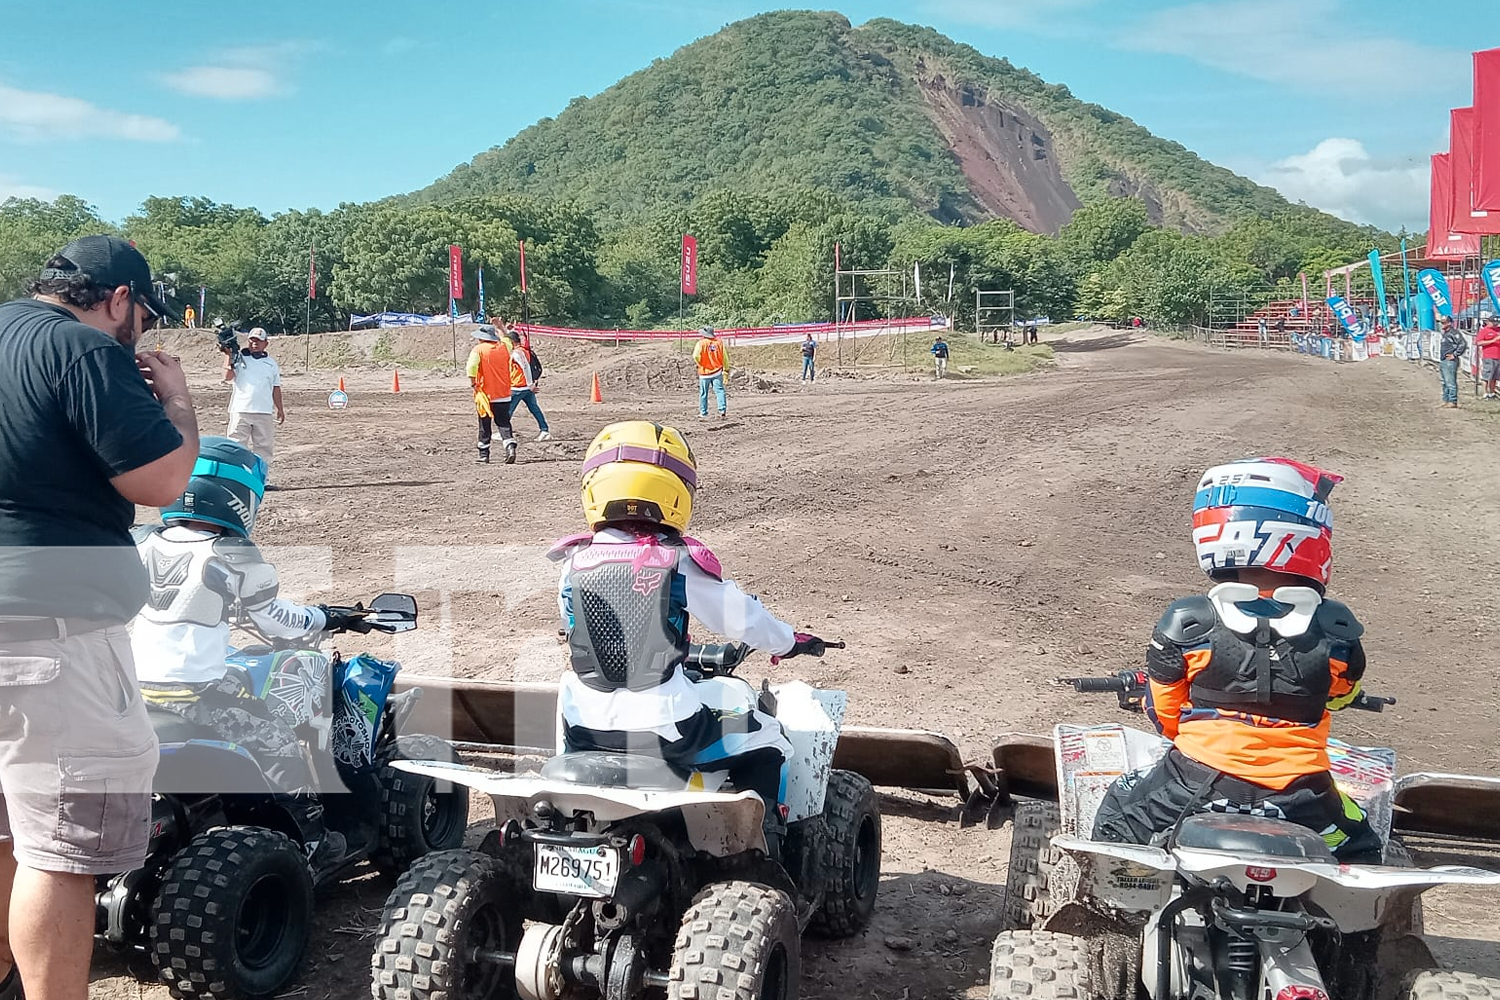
615 770
1253 835
171 728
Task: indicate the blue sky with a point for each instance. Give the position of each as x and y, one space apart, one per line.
282 105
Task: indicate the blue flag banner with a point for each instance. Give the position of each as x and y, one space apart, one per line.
1436 286
1379 275
480 312
1348 316
1491 275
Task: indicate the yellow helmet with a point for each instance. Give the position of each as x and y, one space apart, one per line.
639 471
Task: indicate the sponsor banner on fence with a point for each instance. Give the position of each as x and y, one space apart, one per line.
357 321
785 333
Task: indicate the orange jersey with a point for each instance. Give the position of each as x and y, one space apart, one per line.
710 357
1257 710
489 366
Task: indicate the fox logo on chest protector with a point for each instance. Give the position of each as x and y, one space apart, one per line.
647 582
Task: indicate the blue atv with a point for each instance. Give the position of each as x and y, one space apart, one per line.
223 906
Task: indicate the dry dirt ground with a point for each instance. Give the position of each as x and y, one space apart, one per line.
971 540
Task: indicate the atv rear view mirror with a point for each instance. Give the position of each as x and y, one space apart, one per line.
404 604
394 612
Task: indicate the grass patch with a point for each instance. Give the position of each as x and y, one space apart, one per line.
967 358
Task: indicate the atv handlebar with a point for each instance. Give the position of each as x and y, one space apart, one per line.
1130 686
722 659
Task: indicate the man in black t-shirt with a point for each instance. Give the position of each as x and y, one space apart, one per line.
88 429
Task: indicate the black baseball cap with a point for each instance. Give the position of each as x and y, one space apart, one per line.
112 262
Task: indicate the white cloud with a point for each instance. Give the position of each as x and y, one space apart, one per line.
1340 176
1271 40
10 187
241 73
1007 13
223 83
32 115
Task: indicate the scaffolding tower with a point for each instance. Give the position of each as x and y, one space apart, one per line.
994 311
872 293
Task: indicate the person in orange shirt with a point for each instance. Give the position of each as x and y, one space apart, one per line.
713 365
489 375
1242 680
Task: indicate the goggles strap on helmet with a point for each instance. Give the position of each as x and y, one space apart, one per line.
651 456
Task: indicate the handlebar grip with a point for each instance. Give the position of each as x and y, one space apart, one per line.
1098 685
1369 703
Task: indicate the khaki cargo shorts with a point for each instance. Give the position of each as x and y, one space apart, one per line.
77 754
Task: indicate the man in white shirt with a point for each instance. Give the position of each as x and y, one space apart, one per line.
255 397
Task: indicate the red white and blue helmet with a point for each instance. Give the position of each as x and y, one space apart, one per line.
1267 513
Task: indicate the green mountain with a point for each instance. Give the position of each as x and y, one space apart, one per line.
893 116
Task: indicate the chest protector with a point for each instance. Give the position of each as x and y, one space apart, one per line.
1259 671
629 609
199 581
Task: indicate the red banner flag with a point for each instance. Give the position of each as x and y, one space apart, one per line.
1466 217
523 267
1487 130
689 265
312 272
1442 242
455 272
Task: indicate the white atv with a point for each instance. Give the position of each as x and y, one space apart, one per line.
632 875
1229 907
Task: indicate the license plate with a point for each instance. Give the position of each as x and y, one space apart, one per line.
577 871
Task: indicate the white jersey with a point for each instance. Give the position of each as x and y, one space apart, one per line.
255 381
198 580
721 606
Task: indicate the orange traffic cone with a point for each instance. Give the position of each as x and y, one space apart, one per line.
396 380
341 383
595 396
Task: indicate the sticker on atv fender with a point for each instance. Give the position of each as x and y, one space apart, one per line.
576 871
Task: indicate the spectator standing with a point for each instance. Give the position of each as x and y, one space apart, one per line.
1264 329
525 369
940 356
88 429
489 375
1451 349
809 367
713 365
189 316
256 396
1281 328
1488 343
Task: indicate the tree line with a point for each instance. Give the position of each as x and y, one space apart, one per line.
762 259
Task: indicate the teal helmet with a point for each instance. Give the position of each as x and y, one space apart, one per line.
226 489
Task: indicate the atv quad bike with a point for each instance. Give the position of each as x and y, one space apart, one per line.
635 875
1225 907
223 906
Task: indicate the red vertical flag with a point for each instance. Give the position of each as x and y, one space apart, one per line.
838 265
523 267
689 265
312 272
1487 130
455 272
1442 242
1467 218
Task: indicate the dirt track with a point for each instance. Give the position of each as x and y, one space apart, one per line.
970 540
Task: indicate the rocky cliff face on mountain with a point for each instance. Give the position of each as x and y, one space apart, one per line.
886 114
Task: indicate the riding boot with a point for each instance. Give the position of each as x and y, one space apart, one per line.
774 827
326 849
